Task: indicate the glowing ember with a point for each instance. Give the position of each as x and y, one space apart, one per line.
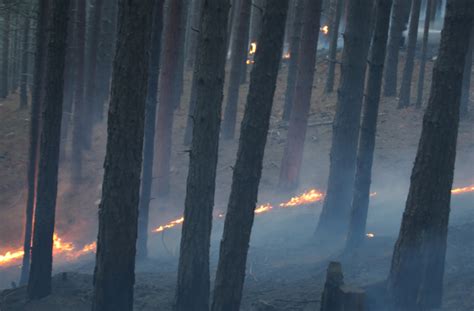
308 197
263 208
169 225
463 190
325 29
373 194
287 55
370 235
249 62
253 48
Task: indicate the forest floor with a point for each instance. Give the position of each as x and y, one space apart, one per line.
286 268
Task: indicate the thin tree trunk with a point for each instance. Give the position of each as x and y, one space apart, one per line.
256 19
80 112
248 167
192 292
293 154
168 73
193 32
334 219
405 88
5 51
397 27
24 62
179 77
238 57
294 54
466 80
365 155
416 276
188 133
118 211
14 54
334 36
424 49
39 284
33 149
149 138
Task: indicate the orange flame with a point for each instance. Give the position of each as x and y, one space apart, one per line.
325 29
253 48
169 225
307 197
11 256
463 190
287 55
263 208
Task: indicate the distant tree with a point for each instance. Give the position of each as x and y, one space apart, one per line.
24 60
293 63
80 111
4 76
365 154
192 292
405 88
424 50
43 12
333 37
293 154
238 58
149 138
466 80
415 281
39 284
118 211
179 76
400 13
335 215
256 19
168 73
248 167
193 31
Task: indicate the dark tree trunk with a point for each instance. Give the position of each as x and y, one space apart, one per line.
397 27
39 284
238 57
293 154
149 137
294 54
256 19
193 32
248 167
118 211
188 133
14 54
33 149
179 77
405 88
231 25
80 112
168 74
424 49
192 292
334 36
365 155
335 215
416 276
5 50
466 80
24 62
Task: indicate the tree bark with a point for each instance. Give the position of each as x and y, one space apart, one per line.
400 12
238 59
168 73
5 50
192 292
24 62
33 148
293 64
334 36
424 49
335 215
39 284
248 167
416 276
179 77
466 80
293 154
365 155
256 19
193 32
405 88
118 211
149 138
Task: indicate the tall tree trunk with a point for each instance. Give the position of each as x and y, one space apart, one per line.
248 167
80 111
256 19
39 284
416 275
188 133
397 26
335 215
238 57
466 80
365 155
14 54
24 61
118 211
293 154
424 50
33 148
334 36
405 88
192 292
294 54
193 32
166 96
149 138
5 50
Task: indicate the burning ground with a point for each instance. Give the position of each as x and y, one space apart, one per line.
285 268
